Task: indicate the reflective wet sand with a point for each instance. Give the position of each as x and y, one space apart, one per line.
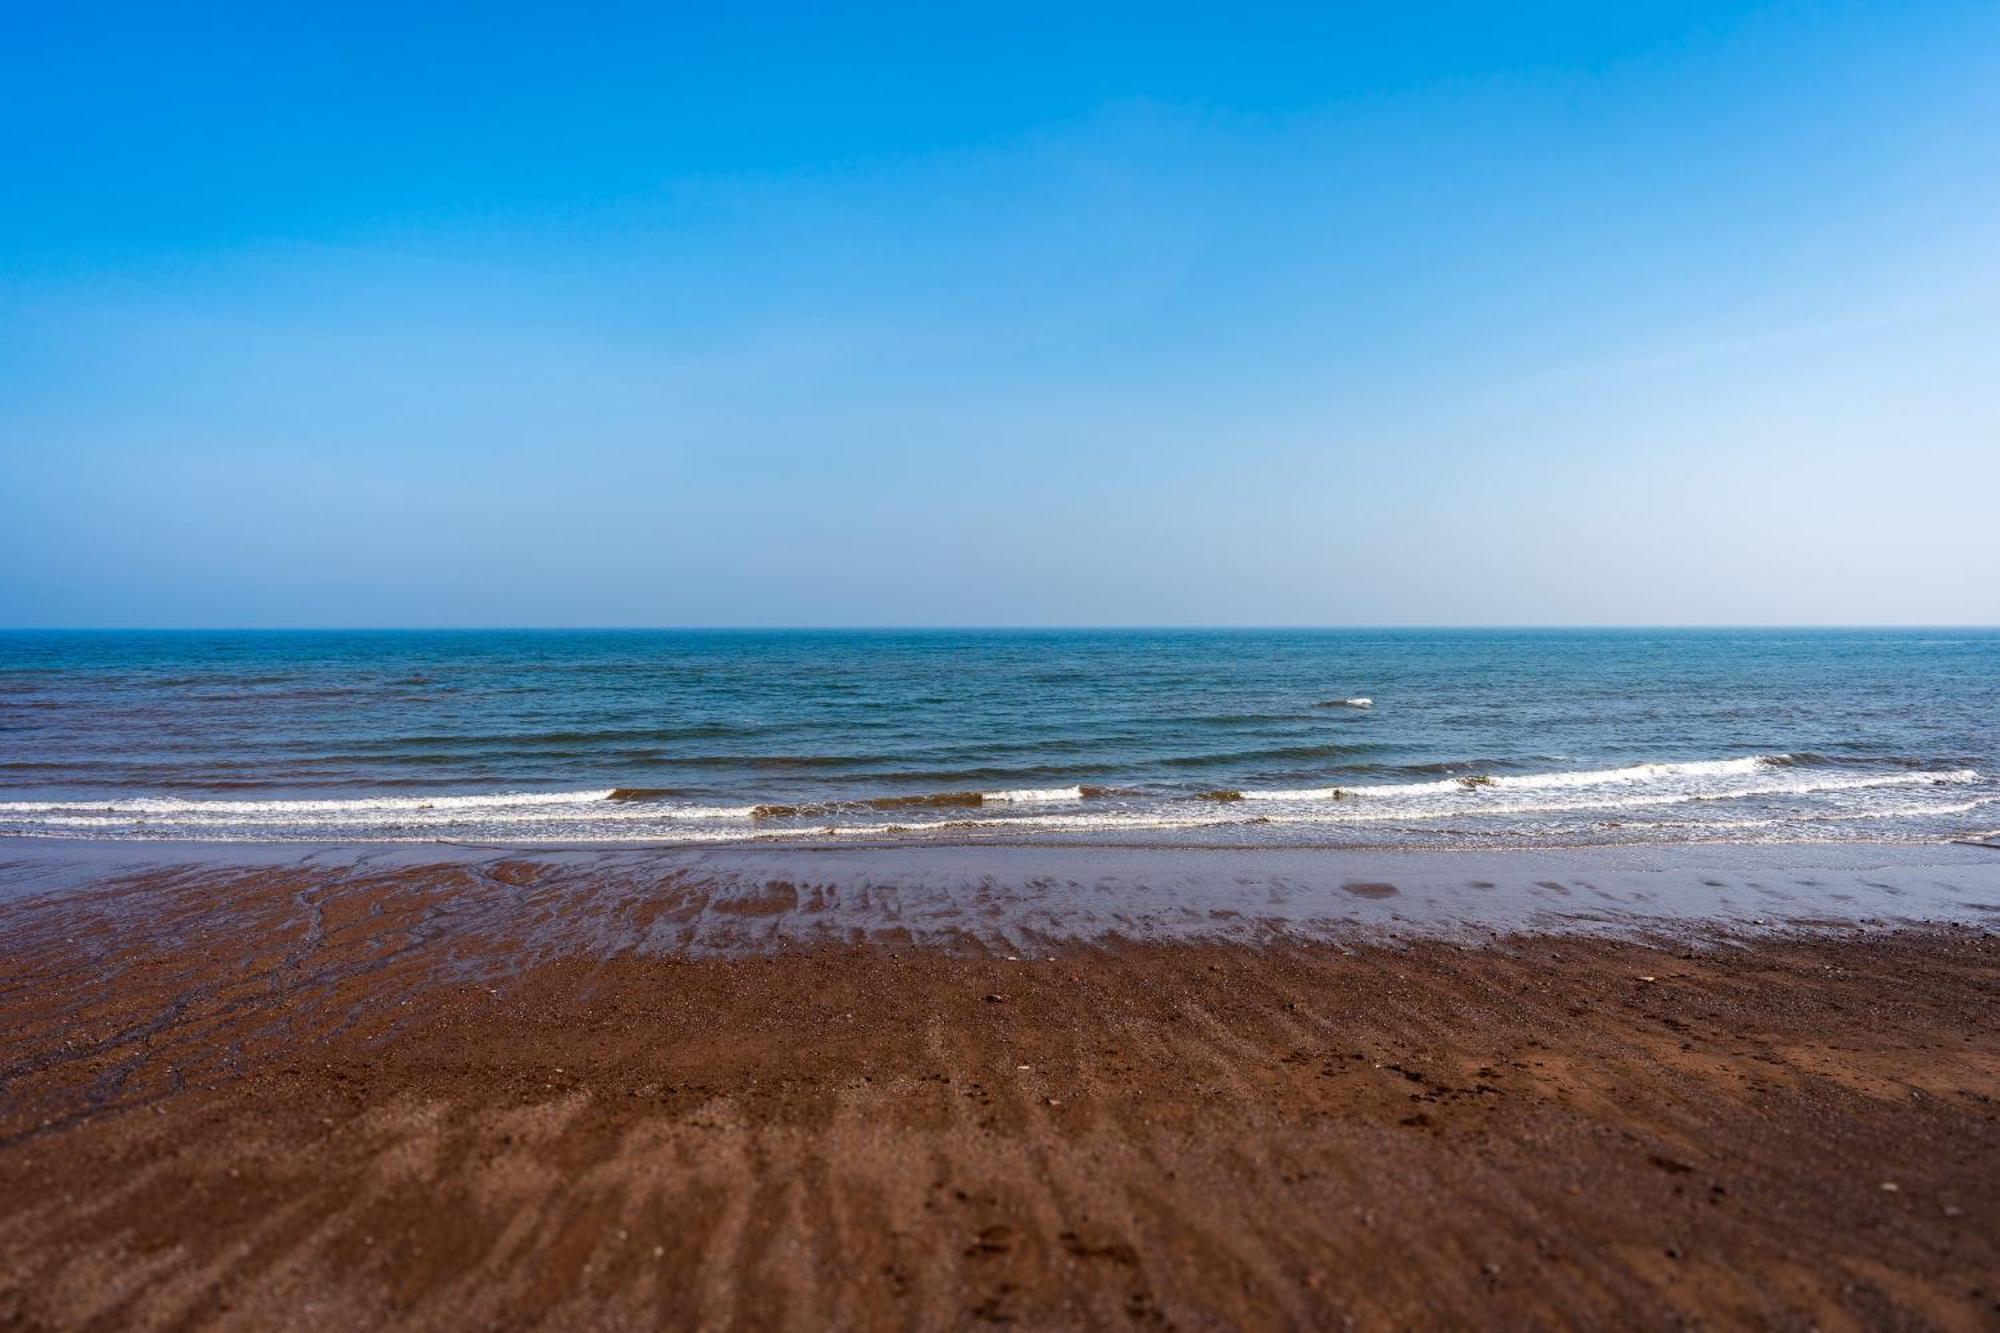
591 902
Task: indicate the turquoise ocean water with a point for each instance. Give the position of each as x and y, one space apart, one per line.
1351 737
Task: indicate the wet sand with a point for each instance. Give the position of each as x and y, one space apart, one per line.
422 1089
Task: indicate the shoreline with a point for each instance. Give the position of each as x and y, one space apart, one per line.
358 1088
748 899
1437 804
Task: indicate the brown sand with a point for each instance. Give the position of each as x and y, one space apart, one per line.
258 1104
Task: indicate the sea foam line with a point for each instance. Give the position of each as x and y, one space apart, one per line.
1035 794
513 808
1567 792
154 805
1590 777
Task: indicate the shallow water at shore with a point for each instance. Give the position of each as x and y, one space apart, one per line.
594 903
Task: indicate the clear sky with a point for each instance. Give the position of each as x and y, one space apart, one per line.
565 314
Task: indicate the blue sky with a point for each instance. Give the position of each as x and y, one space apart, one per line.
428 315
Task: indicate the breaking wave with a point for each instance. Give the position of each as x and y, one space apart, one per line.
1636 784
1780 790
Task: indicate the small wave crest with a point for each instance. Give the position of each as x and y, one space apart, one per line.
390 805
1694 777
942 800
1632 787
1035 794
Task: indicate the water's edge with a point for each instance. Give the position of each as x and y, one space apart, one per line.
597 902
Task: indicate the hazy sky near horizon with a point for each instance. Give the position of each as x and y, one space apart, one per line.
563 315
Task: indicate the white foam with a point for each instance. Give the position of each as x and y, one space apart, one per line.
1916 809
1440 800
1033 794
507 809
1595 777
167 805
1631 775
1710 793
1110 822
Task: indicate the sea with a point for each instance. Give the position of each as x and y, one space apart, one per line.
1348 737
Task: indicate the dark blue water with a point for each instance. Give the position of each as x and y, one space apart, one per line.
1487 737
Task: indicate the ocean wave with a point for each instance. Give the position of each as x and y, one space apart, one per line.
1361 805
642 793
348 813
1630 774
941 800
1035 794
1263 754
1635 784
1593 777
475 741
1356 702
164 805
1713 793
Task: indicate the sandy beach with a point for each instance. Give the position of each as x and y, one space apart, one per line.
428 1090
820 668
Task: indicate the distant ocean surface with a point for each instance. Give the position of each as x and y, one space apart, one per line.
1348 737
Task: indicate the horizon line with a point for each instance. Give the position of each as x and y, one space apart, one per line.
1111 627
